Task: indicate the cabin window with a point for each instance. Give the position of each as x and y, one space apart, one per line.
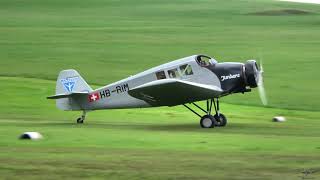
173 73
186 69
160 75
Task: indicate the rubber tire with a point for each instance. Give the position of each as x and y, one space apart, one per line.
221 120
80 121
205 117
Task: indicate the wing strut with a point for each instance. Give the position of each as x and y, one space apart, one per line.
192 110
209 107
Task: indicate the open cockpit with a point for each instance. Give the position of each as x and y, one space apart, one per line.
204 60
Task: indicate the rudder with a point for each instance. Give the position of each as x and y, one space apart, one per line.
70 81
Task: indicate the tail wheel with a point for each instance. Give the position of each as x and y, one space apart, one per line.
79 120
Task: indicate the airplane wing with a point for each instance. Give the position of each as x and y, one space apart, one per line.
171 92
59 96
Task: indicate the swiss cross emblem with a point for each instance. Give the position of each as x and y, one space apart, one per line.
93 97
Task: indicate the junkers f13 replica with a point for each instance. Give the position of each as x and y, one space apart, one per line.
180 82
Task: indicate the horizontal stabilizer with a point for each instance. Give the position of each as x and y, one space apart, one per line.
73 94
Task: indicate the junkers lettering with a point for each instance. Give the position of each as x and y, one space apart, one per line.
231 76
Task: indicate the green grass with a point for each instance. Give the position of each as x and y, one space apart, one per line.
160 143
110 40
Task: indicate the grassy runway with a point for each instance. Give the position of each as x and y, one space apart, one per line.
107 40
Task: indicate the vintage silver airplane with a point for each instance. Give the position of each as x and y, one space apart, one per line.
180 82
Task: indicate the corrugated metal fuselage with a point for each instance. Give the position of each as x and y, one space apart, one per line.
115 95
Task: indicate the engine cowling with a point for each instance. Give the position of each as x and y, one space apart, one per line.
251 73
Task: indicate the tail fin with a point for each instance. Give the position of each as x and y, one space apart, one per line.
69 82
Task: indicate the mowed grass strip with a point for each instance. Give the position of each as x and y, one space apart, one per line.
96 163
155 143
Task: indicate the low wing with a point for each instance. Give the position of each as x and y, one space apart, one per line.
171 92
73 94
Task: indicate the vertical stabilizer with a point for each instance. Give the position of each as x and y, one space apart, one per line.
70 81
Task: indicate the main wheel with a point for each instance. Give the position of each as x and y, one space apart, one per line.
221 119
207 121
79 120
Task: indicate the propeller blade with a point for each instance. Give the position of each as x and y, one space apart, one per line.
262 92
261 67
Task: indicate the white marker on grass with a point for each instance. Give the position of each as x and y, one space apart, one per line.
31 135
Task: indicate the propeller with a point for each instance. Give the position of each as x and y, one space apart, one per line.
262 92
254 78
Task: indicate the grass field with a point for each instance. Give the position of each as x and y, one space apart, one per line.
110 40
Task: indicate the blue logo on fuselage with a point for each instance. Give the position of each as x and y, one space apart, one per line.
69 83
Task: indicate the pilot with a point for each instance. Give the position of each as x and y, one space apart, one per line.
203 63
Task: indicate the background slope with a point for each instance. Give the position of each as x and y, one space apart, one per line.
110 40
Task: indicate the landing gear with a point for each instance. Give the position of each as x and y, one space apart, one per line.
208 120
81 119
221 119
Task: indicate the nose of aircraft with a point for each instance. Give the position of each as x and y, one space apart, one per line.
252 73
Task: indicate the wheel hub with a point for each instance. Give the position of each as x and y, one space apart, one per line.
207 122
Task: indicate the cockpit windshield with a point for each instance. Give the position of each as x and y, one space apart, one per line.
204 60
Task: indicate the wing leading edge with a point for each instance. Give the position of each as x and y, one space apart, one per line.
171 92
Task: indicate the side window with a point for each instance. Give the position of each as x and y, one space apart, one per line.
173 73
160 75
186 69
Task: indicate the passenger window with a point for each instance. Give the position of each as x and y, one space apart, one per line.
186 69
173 73
160 75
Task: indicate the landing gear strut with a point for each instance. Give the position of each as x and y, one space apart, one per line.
208 120
81 119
